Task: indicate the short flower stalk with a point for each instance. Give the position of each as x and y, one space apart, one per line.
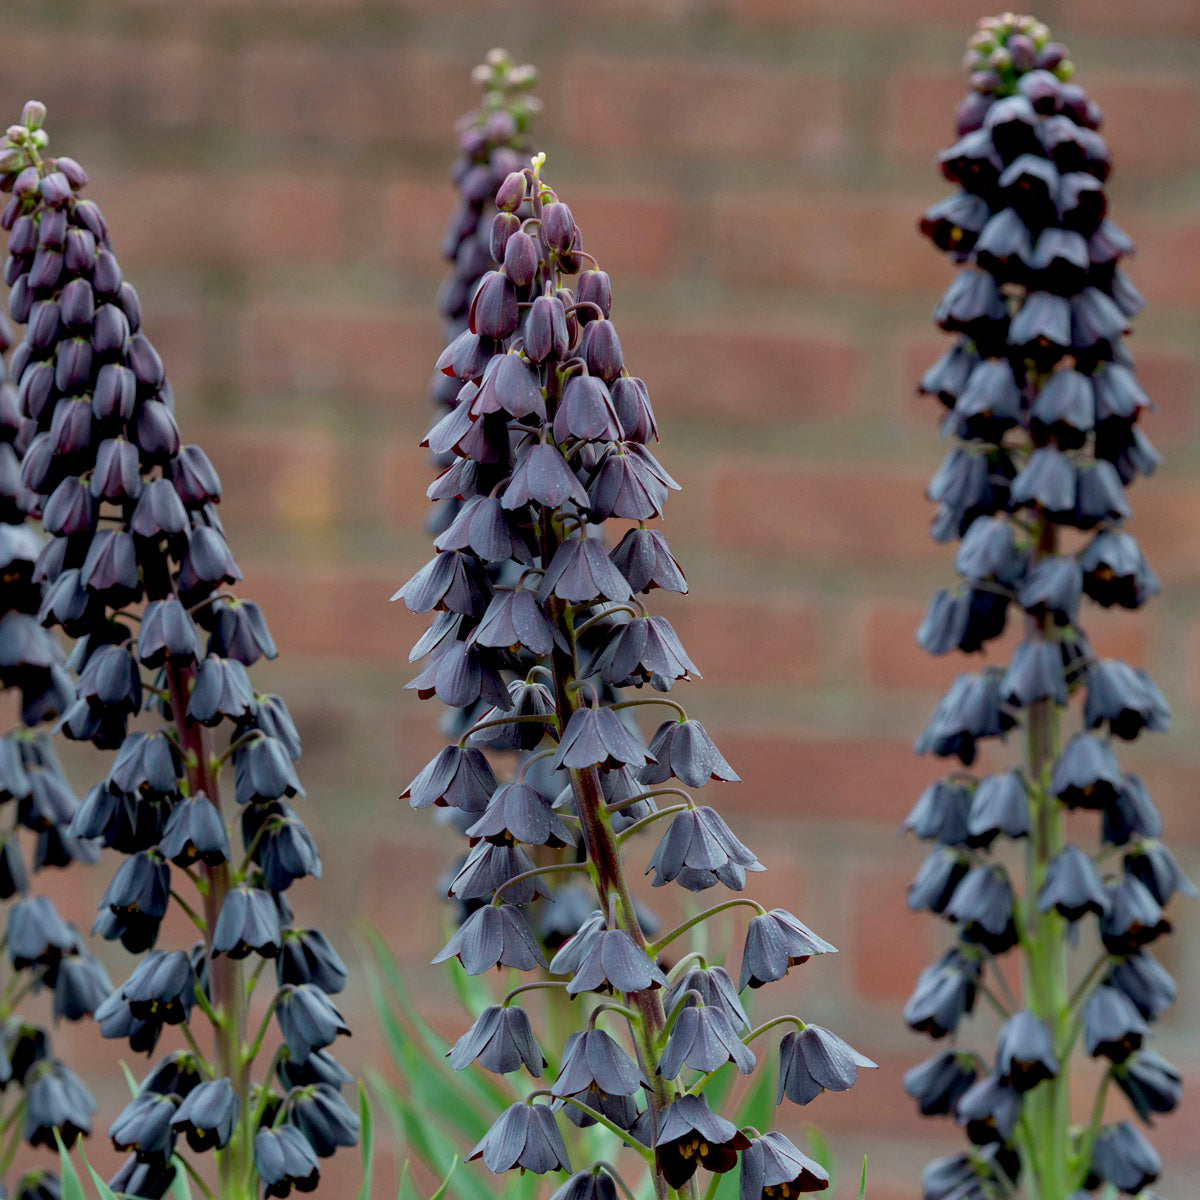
137 571
1042 403
536 618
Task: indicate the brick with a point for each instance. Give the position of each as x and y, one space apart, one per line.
845 243
783 648
289 219
355 94
355 352
204 218
1167 267
1150 121
894 660
712 108
415 213
782 14
917 116
738 372
1167 526
1137 17
853 512
889 943
631 237
164 216
286 483
108 82
340 614
843 778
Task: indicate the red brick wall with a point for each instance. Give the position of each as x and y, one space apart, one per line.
749 172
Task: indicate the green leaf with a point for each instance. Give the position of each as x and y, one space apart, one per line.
406 1191
72 1188
758 1105
102 1188
819 1147
445 1182
181 1186
862 1183
368 1141
130 1081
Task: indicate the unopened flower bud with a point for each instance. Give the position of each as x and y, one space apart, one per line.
511 193
33 115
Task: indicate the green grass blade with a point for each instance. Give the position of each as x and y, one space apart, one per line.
72 1188
368 1141
181 1185
102 1188
862 1183
446 1182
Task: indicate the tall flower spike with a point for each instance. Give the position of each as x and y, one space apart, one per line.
136 570
544 448
1041 401
43 951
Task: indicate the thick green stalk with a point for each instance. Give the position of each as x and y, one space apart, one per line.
226 984
1047 1132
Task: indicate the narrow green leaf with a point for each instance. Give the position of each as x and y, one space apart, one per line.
758 1105
181 1186
72 1188
819 1147
130 1081
102 1188
368 1141
406 1190
862 1183
445 1182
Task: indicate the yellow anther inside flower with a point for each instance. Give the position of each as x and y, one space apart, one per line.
956 235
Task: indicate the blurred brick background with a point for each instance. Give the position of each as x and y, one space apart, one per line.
749 172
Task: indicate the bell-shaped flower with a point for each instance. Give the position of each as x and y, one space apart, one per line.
614 962
685 750
494 935
1112 1026
690 1135
813 1060
524 1136
699 850
500 1040
1025 1052
775 942
772 1166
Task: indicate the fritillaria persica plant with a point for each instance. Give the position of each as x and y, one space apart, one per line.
42 1096
1042 404
136 570
536 618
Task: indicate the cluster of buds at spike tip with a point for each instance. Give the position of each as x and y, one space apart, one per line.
550 437
1042 401
136 570
493 141
42 1096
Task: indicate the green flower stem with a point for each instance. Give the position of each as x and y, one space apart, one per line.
601 1119
509 997
660 944
653 794
654 700
1045 959
615 1176
517 719
195 1176
759 1030
612 610
196 918
689 957
225 977
658 815
549 869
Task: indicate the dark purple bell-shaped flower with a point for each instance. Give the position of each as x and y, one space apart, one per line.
989 1110
1073 886
494 935
683 749
772 1166
813 1060
308 1019
592 1062
690 1136
700 850
524 1136
704 1039
614 962
945 991
501 1040
937 1083
284 1160
1025 1052
1151 1083
596 737
775 942
1112 1026
1123 1157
